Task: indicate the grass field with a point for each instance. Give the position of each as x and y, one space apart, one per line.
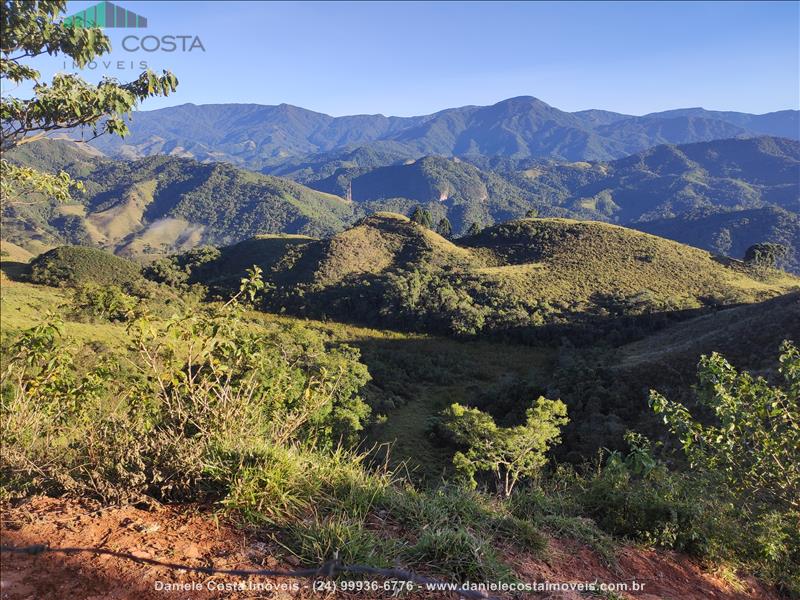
23 305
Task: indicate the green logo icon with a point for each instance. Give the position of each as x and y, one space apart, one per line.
105 14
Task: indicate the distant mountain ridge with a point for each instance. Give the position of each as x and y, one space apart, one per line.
757 177
261 137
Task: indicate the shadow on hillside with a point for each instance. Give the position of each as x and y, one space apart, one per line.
612 321
14 270
604 384
727 261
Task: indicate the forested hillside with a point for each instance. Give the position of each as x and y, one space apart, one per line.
256 136
162 204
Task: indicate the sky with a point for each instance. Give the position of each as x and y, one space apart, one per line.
412 58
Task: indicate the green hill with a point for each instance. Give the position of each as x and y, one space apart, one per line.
447 187
75 265
164 204
389 271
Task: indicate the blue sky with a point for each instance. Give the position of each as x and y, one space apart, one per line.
415 58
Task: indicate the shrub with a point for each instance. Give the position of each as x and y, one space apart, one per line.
444 227
745 465
765 254
422 216
106 302
754 443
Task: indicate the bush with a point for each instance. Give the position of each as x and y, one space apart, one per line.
208 397
766 254
753 445
105 302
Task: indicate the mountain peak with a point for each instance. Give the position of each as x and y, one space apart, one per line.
523 101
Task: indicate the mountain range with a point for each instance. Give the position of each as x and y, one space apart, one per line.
261 137
722 196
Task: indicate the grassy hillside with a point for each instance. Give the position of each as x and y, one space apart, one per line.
578 261
388 270
763 324
731 233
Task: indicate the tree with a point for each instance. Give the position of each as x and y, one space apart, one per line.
765 254
474 229
422 216
532 213
30 29
754 444
444 228
721 241
508 453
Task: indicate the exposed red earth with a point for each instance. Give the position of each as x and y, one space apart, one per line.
190 535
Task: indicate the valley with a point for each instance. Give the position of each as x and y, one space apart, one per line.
494 350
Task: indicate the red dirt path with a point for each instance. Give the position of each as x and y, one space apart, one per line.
187 535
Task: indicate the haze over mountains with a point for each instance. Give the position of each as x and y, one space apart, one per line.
258 136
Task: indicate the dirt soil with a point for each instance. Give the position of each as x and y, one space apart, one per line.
192 536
